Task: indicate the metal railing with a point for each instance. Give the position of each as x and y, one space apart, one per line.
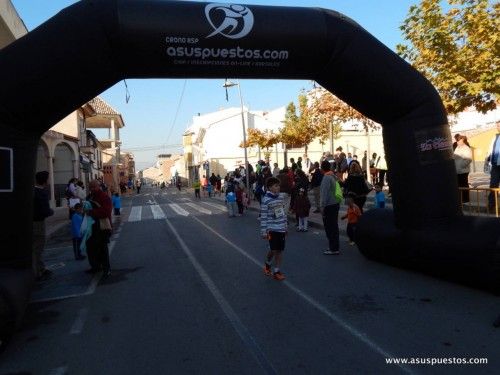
479 201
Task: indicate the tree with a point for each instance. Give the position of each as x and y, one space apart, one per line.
457 51
329 113
264 139
299 131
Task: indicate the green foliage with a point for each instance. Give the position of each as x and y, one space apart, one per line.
458 51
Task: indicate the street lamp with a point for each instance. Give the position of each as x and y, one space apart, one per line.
226 85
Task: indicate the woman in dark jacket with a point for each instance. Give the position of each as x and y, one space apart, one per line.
356 185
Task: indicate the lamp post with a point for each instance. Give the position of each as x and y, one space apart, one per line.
226 85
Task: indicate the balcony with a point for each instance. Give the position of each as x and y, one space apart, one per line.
87 149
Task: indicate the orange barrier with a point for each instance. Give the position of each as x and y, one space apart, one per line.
478 201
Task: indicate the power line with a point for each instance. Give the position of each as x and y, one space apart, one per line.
177 110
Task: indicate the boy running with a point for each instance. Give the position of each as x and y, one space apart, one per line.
273 226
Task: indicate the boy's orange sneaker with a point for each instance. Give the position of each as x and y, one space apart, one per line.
267 270
279 276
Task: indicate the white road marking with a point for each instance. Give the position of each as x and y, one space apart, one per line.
157 211
178 209
363 337
135 213
231 315
215 205
199 208
77 327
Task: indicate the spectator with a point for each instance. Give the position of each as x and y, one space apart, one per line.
41 211
196 187
494 161
302 207
317 176
276 170
97 244
329 209
455 144
463 157
353 214
379 196
76 224
117 203
356 185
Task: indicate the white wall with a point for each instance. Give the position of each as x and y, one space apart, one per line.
68 125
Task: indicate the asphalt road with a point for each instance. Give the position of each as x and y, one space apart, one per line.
188 296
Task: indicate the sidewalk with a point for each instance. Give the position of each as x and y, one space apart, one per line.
57 221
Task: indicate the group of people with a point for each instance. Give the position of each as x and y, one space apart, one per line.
462 156
285 191
91 223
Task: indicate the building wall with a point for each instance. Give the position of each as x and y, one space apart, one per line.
11 25
68 125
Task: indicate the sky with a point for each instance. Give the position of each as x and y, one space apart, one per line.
160 110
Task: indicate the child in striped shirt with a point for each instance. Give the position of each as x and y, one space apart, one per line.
273 226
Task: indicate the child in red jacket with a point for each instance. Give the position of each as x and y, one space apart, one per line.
302 206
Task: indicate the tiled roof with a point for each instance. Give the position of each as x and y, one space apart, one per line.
101 107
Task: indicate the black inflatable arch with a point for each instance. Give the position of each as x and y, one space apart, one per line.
91 45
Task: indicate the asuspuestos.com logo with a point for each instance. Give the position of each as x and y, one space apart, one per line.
226 53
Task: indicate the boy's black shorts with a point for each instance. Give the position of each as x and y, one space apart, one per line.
277 240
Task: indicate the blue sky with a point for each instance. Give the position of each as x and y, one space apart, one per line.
150 115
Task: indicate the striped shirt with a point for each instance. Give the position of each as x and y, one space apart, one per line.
273 217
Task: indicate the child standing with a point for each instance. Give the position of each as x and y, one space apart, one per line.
117 203
352 216
209 189
239 199
302 206
196 187
76 224
379 197
245 198
273 226
231 203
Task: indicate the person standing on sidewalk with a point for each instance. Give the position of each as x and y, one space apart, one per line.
330 209
463 158
494 161
76 224
273 226
316 178
117 203
41 211
97 244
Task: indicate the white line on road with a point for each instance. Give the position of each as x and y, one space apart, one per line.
215 205
135 213
231 315
363 337
178 209
157 212
199 208
77 327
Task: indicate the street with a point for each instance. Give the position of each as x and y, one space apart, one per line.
188 296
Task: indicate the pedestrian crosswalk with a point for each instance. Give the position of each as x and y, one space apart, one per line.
135 213
184 208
